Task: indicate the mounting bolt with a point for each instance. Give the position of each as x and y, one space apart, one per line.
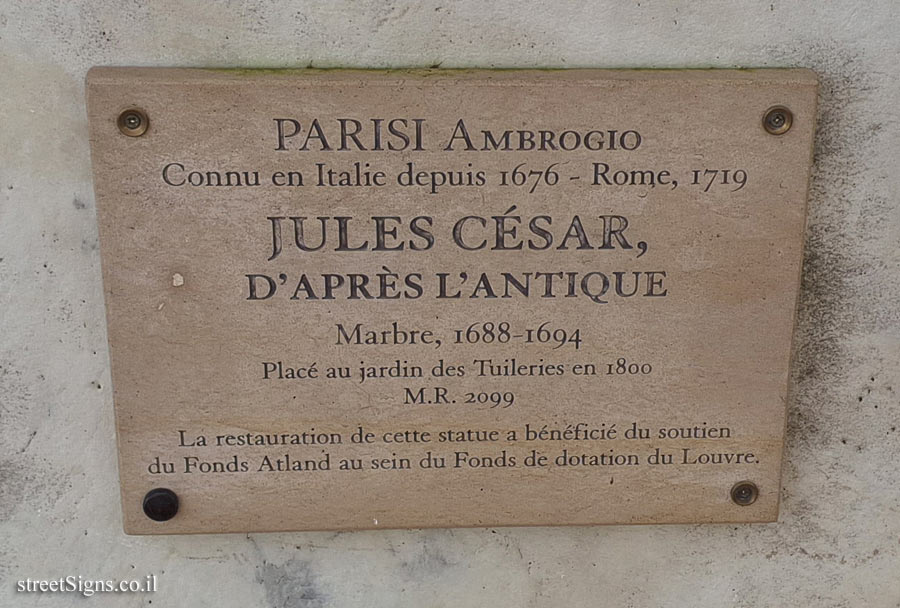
744 493
160 504
133 122
778 120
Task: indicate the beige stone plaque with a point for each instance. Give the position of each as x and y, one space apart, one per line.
351 299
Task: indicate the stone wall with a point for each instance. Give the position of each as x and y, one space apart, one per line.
838 541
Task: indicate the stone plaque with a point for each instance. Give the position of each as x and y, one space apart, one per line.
352 299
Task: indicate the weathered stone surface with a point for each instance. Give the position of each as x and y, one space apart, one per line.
518 297
838 539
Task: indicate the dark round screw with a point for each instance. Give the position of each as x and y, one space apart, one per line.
133 122
744 493
160 504
778 120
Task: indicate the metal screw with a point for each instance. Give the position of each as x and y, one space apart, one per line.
133 122
744 493
778 120
160 504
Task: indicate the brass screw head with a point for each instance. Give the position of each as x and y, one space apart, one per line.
778 120
133 122
744 493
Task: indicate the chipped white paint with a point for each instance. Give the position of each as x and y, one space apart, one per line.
177 280
838 542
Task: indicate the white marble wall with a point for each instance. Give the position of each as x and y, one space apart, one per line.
838 542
